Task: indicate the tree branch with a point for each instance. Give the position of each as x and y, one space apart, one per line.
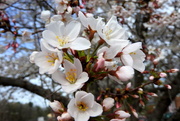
46 93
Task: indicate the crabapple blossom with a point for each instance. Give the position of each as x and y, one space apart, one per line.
73 78
108 103
60 36
83 106
112 32
48 59
133 56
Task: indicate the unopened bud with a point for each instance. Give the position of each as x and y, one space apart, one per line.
168 86
45 15
151 78
57 106
108 103
128 85
64 117
152 94
163 75
135 96
173 70
142 103
118 105
140 91
122 114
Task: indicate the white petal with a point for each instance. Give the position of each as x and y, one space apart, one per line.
88 99
138 59
43 70
72 30
59 77
80 44
132 47
32 56
68 65
45 47
82 78
121 42
78 65
71 87
50 37
79 95
57 27
96 110
83 19
82 116
113 51
127 60
99 28
54 67
41 60
72 108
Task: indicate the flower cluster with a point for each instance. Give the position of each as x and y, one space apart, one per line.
78 52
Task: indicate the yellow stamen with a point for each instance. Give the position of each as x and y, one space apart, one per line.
71 76
51 58
108 32
61 41
82 106
132 53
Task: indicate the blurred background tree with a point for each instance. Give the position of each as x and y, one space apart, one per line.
156 23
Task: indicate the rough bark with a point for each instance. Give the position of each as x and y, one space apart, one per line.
46 93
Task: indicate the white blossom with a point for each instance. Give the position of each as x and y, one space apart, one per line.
73 78
48 59
83 106
60 36
112 32
133 56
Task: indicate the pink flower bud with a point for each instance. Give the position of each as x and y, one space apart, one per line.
99 64
125 73
152 94
45 15
64 117
174 70
108 103
57 106
135 96
168 86
151 78
128 85
118 105
163 75
122 114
